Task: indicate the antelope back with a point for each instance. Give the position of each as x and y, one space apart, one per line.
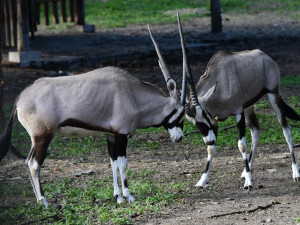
107 99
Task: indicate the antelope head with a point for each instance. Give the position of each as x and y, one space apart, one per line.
174 122
195 107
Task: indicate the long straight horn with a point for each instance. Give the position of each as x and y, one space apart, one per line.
183 87
187 66
161 61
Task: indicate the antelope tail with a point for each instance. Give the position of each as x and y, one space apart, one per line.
289 112
6 135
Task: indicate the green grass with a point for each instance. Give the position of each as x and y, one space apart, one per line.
119 13
87 201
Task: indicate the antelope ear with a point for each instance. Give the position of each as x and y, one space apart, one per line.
171 85
203 100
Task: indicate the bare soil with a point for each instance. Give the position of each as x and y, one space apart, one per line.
130 48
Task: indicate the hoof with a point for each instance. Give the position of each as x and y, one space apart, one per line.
130 199
248 188
296 179
119 198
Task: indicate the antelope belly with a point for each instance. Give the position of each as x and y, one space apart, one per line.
75 132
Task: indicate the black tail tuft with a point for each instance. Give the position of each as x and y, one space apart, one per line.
289 112
6 136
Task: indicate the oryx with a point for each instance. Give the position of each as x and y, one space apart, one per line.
230 86
108 100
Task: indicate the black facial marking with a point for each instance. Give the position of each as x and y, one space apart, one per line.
206 117
117 146
190 111
203 128
176 122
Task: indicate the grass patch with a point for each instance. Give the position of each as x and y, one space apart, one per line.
91 201
119 13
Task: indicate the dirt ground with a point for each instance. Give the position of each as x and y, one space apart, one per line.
130 48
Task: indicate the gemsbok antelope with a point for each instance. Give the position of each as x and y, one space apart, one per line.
108 100
239 80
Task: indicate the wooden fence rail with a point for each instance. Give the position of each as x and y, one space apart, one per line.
21 17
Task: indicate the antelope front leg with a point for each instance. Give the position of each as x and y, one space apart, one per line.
205 176
240 118
122 163
117 192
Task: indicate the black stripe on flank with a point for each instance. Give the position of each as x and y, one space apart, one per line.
256 98
80 124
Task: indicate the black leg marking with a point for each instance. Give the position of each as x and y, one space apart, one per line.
250 156
117 145
207 166
125 183
241 126
247 165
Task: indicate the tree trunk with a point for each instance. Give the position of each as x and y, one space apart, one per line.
2 118
216 19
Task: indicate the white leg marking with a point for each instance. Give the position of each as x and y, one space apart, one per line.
255 133
243 149
288 138
117 193
122 164
34 169
205 176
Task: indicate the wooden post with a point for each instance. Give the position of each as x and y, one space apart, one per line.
7 23
20 37
2 117
25 23
80 11
13 22
55 12
72 10
31 17
63 11
216 19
